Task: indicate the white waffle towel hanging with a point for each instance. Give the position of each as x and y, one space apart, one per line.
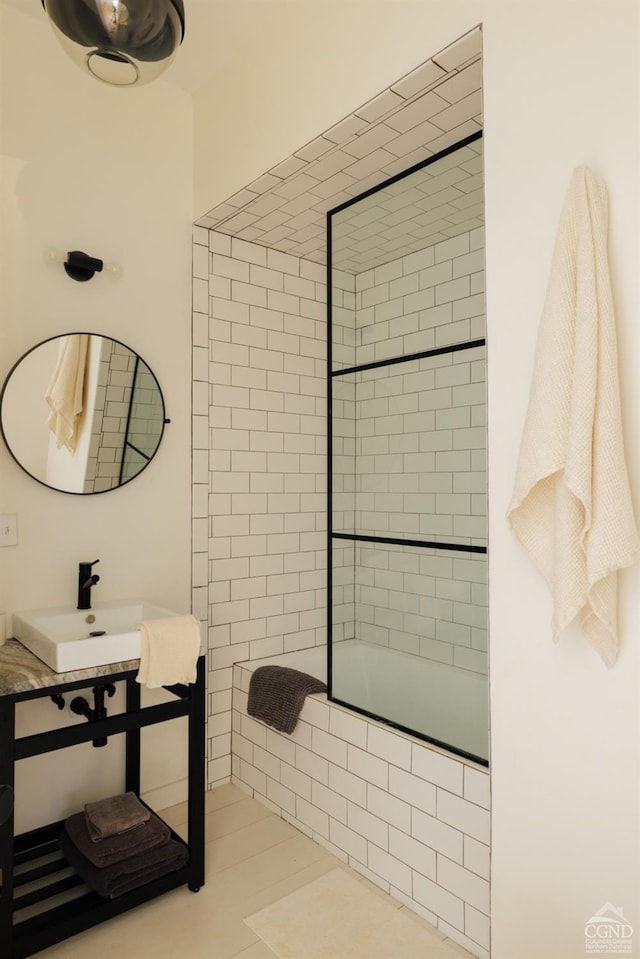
571 507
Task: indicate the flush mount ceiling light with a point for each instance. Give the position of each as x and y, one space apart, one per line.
121 42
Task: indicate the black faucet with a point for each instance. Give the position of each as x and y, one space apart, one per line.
86 579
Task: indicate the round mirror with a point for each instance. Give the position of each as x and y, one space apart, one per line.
82 413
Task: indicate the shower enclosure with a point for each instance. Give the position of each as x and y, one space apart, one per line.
407 452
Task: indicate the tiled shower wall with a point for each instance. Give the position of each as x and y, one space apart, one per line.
414 435
414 819
109 429
260 459
119 417
259 564
146 422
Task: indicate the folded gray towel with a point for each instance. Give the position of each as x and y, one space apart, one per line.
122 877
115 815
115 849
277 695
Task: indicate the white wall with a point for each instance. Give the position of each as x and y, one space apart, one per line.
573 842
109 172
560 90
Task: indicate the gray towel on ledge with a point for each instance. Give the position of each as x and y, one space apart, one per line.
129 874
115 849
277 694
115 815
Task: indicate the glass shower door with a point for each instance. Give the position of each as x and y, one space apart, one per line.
407 412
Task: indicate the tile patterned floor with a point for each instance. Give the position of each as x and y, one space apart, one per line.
253 858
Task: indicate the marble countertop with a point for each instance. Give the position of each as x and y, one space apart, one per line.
21 671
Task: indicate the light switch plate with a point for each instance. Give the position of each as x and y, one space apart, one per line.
8 529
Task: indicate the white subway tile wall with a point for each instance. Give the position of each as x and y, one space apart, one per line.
116 417
410 215
409 454
414 824
260 424
145 422
413 820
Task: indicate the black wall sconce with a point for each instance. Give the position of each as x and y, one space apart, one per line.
80 266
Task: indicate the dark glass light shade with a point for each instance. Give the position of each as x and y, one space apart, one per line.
122 42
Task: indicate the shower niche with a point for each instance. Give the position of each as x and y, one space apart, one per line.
407 452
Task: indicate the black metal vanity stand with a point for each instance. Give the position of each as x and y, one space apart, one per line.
33 920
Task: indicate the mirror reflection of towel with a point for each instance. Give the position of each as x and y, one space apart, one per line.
65 391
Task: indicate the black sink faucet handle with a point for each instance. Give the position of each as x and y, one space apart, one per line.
86 579
85 575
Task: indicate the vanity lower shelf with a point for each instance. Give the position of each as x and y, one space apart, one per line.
51 901
42 899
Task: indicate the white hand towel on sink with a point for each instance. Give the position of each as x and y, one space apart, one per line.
571 508
169 651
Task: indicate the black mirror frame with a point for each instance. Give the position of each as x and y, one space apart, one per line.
57 489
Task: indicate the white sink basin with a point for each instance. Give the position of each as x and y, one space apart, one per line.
61 636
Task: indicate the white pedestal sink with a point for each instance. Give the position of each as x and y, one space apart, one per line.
67 639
